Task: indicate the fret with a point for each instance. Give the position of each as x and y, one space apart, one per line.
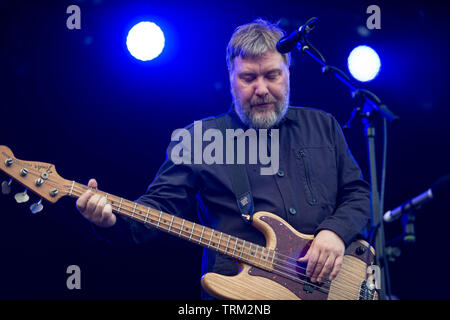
146 215
235 245
257 259
209 243
193 227
159 219
134 210
266 255
242 251
228 242
249 252
218 242
181 229
273 257
170 225
71 188
261 255
120 205
201 236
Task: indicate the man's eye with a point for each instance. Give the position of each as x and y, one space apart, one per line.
272 76
248 79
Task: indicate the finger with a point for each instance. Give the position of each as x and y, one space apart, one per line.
98 211
83 200
329 263
312 261
336 268
109 219
91 206
320 262
304 258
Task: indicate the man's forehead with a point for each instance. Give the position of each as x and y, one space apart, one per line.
268 60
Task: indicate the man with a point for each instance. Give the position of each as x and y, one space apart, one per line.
318 188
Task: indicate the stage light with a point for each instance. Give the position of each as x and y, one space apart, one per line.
363 63
145 41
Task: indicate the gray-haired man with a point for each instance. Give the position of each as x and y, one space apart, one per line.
318 189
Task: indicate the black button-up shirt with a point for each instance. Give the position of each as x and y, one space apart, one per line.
318 186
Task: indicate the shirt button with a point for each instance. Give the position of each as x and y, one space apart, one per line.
292 210
280 173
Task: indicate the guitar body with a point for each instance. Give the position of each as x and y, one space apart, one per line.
254 283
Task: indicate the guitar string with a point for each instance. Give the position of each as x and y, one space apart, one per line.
140 217
74 187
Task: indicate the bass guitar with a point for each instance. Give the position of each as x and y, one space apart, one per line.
267 273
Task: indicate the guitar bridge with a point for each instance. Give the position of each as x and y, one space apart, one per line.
367 292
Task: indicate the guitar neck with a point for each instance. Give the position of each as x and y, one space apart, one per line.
226 244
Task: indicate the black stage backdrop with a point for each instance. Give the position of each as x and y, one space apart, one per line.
79 100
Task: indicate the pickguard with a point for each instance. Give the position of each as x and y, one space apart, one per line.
291 247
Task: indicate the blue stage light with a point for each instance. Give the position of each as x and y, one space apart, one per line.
145 41
363 63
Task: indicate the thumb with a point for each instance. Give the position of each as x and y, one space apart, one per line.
305 257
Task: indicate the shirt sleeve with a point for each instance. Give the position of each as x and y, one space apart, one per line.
352 211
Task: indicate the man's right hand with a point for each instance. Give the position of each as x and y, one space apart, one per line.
94 208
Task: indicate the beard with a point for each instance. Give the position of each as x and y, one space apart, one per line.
266 119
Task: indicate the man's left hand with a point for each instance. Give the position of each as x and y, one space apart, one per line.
324 256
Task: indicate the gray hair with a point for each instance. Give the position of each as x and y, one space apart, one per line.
253 40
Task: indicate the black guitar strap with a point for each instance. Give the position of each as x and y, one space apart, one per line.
239 179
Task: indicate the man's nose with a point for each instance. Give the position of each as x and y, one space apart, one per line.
261 88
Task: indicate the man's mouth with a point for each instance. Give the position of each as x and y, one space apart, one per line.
262 106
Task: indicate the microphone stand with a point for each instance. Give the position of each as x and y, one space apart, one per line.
367 105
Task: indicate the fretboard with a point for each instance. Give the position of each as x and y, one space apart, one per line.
226 244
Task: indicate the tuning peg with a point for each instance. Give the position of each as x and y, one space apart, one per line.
22 196
6 187
36 207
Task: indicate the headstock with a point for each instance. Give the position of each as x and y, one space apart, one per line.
39 177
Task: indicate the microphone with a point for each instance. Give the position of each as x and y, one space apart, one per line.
288 43
439 189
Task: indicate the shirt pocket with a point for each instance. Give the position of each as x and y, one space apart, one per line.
318 172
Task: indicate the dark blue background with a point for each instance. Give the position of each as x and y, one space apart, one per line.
77 99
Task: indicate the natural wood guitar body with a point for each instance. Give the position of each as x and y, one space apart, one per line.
254 283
